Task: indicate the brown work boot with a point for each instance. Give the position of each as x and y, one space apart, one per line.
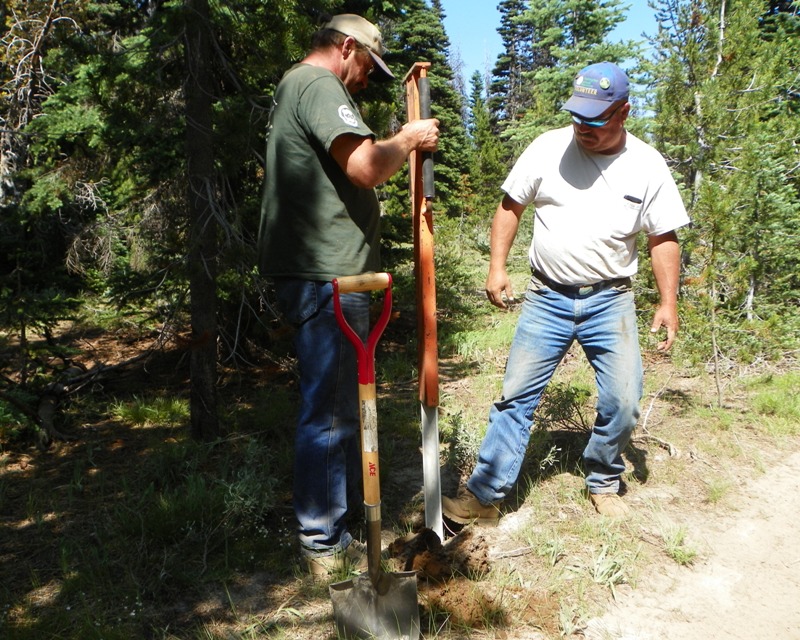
353 559
609 504
465 508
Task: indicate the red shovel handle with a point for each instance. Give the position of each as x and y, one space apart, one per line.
365 352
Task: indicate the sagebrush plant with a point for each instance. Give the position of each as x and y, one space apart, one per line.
251 492
464 440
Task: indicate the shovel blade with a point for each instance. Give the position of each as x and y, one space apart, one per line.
387 612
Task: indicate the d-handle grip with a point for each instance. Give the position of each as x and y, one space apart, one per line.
364 282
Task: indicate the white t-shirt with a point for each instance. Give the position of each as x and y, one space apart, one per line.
590 207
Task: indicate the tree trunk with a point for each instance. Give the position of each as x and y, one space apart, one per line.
202 223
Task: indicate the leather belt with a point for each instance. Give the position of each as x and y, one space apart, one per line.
580 289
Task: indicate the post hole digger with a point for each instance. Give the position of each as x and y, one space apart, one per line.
418 105
376 605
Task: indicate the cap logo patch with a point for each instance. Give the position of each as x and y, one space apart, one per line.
347 116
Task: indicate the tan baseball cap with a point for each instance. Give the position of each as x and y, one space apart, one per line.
366 34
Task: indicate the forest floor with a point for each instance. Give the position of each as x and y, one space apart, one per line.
495 582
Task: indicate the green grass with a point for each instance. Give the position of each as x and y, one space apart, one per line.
717 489
776 403
677 547
142 412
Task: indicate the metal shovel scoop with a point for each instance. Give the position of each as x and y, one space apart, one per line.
375 605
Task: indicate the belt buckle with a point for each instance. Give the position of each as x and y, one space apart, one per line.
582 291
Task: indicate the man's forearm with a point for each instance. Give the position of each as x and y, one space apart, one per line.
665 257
369 163
504 230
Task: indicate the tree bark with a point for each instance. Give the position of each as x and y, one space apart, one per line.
202 223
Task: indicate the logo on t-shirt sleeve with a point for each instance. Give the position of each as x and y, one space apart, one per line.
347 116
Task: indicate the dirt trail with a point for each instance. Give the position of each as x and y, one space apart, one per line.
746 586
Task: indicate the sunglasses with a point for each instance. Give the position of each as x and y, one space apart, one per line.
597 122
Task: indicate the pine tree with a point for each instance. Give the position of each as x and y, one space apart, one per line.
569 34
488 165
98 189
508 99
726 97
36 221
420 36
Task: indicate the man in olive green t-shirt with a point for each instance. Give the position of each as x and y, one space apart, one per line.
320 220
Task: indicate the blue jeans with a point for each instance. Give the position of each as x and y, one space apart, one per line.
604 324
327 466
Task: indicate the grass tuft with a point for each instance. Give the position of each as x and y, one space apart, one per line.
676 546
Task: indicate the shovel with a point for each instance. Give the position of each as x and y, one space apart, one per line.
375 605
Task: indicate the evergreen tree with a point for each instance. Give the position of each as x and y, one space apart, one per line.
570 34
726 96
419 36
488 166
508 99
98 188
38 217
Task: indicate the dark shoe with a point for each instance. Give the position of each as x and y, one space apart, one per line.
609 504
353 559
465 508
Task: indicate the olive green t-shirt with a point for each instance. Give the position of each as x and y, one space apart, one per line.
315 223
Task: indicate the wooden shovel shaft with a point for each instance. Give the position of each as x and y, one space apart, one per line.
379 605
370 469
368 412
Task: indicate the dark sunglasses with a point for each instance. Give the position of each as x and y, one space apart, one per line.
597 122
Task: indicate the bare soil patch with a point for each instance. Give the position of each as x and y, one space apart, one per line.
746 585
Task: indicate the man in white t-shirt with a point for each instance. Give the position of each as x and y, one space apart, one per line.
594 187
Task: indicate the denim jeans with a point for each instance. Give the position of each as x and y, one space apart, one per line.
327 465
604 324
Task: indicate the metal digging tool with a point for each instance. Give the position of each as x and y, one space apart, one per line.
375 605
418 105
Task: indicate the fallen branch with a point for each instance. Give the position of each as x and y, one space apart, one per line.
647 436
514 553
53 395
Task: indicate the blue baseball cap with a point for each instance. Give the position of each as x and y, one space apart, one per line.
595 88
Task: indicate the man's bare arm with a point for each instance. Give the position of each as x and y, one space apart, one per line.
369 163
665 256
504 229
